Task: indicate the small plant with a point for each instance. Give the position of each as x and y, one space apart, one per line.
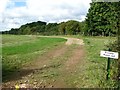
112 45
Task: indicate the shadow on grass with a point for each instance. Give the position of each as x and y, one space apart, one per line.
18 74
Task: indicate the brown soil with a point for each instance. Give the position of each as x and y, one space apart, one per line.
44 60
76 58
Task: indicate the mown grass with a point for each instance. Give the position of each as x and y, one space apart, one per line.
18 50
11 40
30 47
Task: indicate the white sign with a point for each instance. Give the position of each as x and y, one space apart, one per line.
109 54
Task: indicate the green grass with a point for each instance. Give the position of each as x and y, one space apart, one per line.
96 65
10 40
93 73
18 50
30 47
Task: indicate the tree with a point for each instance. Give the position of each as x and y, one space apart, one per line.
62 29
101 19
52 29
13 31
83 28
70 27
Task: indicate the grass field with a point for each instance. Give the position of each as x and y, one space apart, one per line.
88 71
18 50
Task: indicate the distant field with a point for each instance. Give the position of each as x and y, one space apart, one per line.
52 63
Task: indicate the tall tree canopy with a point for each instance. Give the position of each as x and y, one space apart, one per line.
101 19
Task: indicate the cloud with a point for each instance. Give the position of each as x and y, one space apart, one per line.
14 16
3 4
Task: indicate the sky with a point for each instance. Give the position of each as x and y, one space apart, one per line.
14 13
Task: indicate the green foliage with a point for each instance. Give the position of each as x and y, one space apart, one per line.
62 28
51 29
102 19
70 27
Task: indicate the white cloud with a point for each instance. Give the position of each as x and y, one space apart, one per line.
3 4
44 10
56 7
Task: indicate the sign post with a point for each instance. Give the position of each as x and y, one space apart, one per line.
108 68
109 55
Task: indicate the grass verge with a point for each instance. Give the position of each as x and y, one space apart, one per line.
96 65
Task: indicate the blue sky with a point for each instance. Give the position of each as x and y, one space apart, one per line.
20 4
14 13
15 4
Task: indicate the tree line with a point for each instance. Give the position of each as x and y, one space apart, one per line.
70 27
